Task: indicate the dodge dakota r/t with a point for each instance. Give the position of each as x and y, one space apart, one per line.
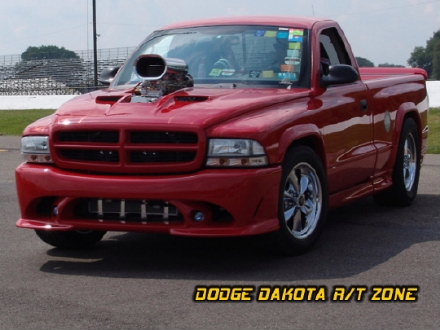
226 127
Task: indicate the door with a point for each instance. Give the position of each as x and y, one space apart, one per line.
347 125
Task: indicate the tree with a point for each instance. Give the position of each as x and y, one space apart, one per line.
420 59
48 66
436 60
428 57
363 62
47 52
389 65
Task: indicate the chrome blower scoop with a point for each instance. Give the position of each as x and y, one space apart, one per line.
161 76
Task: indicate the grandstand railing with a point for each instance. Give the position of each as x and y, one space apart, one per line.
56 76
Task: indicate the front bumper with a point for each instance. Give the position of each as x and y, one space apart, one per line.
248 196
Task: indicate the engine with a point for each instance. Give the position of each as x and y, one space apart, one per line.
161 76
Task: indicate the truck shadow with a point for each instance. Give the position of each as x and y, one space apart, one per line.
355 239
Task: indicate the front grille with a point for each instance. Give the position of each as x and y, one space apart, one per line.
111 156
163 137
128 150
89 136
128 210
162 156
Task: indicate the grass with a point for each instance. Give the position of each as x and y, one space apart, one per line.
12 122
434 131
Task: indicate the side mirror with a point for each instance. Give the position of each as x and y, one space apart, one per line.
107 75
339 74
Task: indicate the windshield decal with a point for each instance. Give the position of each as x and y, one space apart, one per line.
294 45
295 32
270 34
283 34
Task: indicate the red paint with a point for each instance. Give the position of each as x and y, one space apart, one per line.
356 149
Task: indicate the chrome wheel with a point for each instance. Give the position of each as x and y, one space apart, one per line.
406 170
302 200
409 162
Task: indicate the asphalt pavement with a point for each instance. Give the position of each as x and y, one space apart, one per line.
146 281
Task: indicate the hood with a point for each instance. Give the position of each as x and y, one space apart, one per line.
202 107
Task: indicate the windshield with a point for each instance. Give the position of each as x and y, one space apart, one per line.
257 56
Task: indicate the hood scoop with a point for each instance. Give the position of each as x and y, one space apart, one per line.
108 99
190 98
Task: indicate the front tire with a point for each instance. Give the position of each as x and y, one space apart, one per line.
75 239
406 170
303 200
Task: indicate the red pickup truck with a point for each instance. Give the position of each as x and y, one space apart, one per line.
226 127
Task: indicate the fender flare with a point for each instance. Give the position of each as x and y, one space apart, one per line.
406 110
296 133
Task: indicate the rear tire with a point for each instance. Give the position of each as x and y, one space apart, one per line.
406 170
303 200
75 239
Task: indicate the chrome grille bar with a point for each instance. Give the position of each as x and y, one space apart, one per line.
122 209
100 208
144 210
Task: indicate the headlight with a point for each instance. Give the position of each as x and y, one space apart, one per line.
35 149
235 153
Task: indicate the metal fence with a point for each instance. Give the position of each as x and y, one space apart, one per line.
56 76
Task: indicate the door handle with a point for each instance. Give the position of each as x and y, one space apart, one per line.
363 104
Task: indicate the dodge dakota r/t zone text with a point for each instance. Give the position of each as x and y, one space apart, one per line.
226 127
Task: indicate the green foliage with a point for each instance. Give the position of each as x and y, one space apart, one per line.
434 131
47 52
428 57
436 60
420 59
363 62
389 65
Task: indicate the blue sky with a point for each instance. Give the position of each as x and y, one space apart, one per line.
382 31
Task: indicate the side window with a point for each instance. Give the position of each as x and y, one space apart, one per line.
332 49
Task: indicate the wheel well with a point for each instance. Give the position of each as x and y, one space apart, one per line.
312 142
414 115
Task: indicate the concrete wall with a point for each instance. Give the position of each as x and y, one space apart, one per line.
433 93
